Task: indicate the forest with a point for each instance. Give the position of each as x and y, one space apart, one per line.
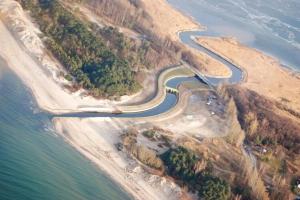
84 54
183 165
258 118
133 14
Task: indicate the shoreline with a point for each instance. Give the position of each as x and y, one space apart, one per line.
205 28
99 147
90 137
24 54
93 138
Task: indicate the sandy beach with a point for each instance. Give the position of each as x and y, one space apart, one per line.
95 139
38 72
25 54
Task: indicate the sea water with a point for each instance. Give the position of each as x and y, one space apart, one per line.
35 164
272 26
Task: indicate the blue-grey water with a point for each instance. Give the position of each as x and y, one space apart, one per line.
34 163
37 164
272 26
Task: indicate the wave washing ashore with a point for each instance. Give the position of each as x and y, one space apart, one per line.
39 73
19 39
94 138
36 164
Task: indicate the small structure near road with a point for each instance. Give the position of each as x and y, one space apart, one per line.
172 90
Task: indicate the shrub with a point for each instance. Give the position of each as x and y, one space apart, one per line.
213 188
258 117
184 165
146 156
243 191
180 163
294 185
93 64
68 77
142 153
149 134
129 138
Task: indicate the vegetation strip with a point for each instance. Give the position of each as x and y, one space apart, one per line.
84 54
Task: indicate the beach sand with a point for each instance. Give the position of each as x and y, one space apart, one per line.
37 70
25 54
23 51
96 138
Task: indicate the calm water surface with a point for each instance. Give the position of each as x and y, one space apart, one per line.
272 26
34 163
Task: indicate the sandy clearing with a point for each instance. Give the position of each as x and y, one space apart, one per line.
96 139
192 117
26 58
265 75
23 51
49 95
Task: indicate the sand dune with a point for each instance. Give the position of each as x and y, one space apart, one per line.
25 54
95 139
